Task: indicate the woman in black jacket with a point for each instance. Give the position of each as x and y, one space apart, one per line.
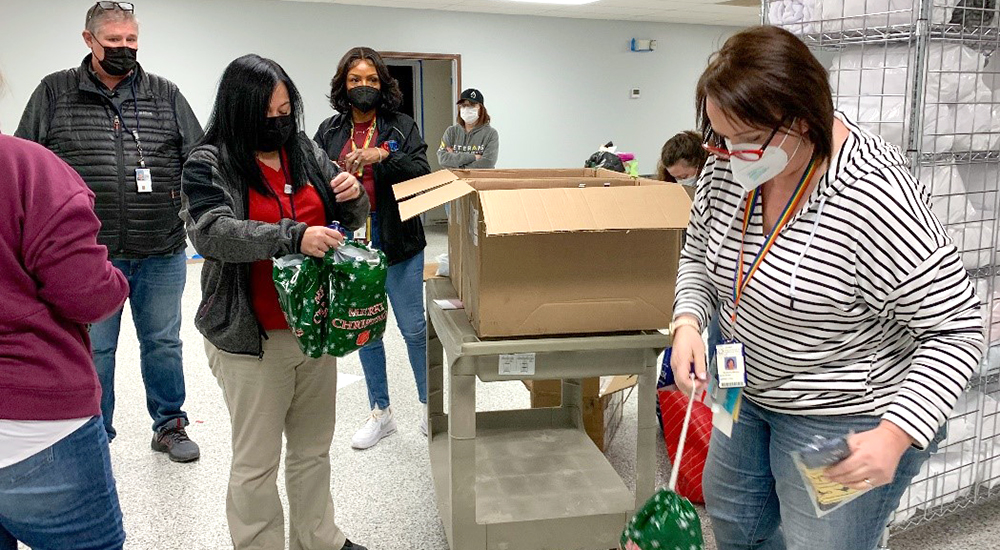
257 189
382 147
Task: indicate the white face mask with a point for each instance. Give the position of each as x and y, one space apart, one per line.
751 174
470 114
689 181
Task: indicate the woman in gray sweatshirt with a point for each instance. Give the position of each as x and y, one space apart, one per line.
471 142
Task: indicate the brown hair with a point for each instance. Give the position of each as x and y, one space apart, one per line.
684 146
766 77
484 116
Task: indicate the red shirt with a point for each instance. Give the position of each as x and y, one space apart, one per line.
359 137
308 208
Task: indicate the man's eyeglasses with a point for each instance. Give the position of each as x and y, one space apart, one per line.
110 6
718 147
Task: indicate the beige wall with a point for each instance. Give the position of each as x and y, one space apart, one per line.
439 108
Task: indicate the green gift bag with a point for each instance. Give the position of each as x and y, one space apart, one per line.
667 521
358 307
303 294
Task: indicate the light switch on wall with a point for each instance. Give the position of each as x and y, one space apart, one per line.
636 93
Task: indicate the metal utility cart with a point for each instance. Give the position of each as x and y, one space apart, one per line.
530 479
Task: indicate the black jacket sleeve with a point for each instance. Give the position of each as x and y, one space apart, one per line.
34 124
188 124
410 161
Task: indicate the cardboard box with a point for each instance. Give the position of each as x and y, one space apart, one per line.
603 403
538 173
578 254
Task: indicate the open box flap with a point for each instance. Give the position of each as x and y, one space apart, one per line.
532 211
422 184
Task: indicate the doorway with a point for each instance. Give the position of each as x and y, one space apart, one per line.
430 84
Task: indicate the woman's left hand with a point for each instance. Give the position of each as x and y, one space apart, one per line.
357 160
875 454
346 187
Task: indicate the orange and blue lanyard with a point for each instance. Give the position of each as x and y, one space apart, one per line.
366 144
740 281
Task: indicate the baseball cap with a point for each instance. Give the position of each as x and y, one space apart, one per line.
472 95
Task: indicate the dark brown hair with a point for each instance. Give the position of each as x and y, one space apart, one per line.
484 116
684 146
392 97
766 77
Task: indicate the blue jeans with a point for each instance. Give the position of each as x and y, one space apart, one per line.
758 501
405 287
63 498
157 285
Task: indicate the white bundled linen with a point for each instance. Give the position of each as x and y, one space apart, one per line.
952 76
888 117
977 127
974 241
951 472
845 15
949 197
797 16
943 478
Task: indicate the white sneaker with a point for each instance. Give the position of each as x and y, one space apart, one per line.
423 422
380 424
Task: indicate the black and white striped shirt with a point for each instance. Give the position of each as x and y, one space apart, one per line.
862 306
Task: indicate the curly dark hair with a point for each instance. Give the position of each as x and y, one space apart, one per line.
392 97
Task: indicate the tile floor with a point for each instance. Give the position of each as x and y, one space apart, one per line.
384 496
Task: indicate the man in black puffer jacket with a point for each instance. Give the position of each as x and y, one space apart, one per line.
127 133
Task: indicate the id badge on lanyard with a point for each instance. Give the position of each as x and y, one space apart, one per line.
730 356
143 180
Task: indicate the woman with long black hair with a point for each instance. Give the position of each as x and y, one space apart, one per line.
382 147
256 189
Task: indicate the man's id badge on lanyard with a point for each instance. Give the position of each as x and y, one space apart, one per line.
143 180
364 233
731 366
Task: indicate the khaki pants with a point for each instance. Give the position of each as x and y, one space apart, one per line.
285 392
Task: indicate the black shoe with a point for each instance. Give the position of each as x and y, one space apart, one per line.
351 546
175 442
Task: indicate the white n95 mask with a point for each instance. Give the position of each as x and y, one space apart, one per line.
751 174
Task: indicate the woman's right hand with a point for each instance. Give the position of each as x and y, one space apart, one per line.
688 349
317 240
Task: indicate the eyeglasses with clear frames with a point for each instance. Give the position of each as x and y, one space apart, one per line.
110 6
717 147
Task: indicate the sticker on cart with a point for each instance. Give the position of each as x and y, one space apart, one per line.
517 364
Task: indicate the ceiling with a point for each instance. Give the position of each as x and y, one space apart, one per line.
708 12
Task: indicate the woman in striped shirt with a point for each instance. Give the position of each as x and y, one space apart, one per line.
839 291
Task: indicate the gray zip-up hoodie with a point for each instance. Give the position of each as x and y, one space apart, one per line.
482 140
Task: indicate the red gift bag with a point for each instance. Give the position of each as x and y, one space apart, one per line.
673 405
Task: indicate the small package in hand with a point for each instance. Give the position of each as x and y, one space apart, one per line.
812 462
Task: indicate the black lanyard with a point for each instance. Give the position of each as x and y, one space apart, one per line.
135 133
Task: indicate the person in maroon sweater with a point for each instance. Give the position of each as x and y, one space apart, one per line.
54 281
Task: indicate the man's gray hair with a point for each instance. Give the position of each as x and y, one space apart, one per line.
100 17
